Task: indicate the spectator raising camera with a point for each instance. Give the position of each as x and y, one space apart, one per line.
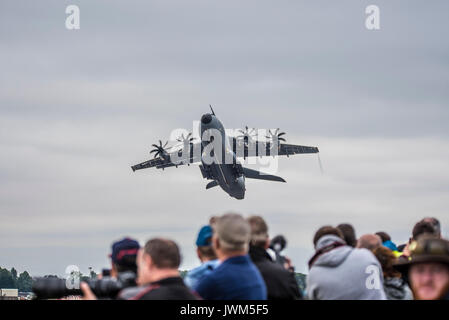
158 276
281 283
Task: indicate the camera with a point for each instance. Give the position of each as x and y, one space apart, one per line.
105 288
278 244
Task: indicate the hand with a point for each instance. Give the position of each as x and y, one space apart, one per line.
288 264
87 292
406 251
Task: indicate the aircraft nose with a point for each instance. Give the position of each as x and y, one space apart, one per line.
206 118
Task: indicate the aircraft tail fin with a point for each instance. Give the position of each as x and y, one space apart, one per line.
254 174
211 184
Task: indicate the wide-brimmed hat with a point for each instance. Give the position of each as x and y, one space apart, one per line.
425 249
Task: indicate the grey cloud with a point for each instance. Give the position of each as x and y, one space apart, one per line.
78 108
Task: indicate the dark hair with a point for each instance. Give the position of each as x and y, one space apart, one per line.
164 253
207 252
259 231
421 228
383 236
387 259
348 234
325 231
435 224
127 263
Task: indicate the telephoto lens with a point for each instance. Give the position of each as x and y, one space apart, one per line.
53 288
105 288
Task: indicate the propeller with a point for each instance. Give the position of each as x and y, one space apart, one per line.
159 150
275 136
247 134
186 139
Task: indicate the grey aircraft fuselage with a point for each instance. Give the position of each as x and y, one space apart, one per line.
226 175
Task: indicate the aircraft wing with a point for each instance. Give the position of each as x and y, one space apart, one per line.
174 159
262 148
290 149
148 164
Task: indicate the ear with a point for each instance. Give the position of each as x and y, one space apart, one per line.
113 270
215 242
147 260
267 243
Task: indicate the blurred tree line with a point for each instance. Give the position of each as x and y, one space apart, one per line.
10 280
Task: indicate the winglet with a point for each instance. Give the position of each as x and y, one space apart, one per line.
212 110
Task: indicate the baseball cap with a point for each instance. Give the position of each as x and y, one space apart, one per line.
204 236
122 248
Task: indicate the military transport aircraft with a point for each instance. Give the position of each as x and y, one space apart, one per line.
219 162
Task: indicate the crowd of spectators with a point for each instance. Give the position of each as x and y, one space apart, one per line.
237 263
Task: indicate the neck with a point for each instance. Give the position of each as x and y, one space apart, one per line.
207 259
159 274
222 256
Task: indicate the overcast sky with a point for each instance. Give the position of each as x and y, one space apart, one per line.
78 108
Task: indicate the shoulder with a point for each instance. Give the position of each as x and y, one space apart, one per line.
270 268
365 254
136 293
205 283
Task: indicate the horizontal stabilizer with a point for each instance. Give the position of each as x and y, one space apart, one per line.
212 184
254 174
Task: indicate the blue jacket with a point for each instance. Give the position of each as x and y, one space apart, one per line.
195 275
236 278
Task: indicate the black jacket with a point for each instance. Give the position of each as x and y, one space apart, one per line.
281 283
166 289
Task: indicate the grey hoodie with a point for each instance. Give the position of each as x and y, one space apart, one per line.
397 289
344 273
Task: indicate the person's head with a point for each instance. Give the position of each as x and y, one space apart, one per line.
427 270
324 231
435 224
348 234
158 259
383 236
204 248
369 241
212 220
423 228
387 259
259 232
123 256
231 236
